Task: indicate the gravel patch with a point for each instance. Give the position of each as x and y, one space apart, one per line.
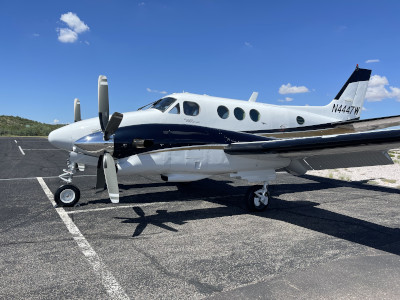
388 175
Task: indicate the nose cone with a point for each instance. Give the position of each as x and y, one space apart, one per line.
61 138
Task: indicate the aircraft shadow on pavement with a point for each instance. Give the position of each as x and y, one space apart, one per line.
301 213
362 184
203 189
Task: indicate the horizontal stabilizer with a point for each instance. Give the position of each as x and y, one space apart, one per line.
370 124
341 127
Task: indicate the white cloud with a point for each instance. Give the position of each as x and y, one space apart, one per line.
76 26
141 4
56 121
36 35
66 35
73 22
287 99
369 61
377 90
156 91
289 89
395 92
247 44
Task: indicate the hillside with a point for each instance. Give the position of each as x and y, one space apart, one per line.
17 126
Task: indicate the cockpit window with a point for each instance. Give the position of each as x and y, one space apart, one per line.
191 108
163 103
176 110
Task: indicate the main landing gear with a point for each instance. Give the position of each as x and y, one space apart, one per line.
257 198
67 194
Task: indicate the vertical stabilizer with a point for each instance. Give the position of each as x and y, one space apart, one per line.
348 102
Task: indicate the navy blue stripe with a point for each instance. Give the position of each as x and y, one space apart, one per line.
161 136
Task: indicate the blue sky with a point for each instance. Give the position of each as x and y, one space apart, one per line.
48 57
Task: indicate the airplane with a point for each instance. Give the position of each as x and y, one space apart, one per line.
185 137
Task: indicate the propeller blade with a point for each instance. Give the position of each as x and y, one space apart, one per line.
100 179
103 101
77 110
112 125
111 177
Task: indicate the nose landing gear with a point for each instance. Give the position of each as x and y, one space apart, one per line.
67 194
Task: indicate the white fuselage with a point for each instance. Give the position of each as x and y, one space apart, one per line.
197 162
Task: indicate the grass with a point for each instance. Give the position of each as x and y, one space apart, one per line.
372 182
17 126
389 180
344 178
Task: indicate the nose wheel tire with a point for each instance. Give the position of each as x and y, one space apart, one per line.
67 195
257 198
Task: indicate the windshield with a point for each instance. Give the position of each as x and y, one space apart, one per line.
163 103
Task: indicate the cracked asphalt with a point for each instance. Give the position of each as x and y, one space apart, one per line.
319 239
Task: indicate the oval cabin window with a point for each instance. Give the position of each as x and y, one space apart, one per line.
300 120
239 113
223 112
254 115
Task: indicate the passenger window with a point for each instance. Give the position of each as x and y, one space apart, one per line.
239 113
223 112
176 110
254 115
191 108
300 120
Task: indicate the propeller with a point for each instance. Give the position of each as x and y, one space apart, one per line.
102 145
106 170
77 110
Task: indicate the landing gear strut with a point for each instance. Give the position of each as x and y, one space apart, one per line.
67 194
257 198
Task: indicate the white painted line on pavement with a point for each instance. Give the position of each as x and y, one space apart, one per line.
111 285
16 141
44 149
49 177
22 151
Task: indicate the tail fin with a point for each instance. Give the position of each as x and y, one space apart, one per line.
348 102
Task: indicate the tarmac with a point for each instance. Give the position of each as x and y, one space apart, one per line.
319 239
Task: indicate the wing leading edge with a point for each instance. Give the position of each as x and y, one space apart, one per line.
327 152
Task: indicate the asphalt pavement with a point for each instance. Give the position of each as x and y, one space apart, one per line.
319 239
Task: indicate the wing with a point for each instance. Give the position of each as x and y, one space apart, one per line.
326 152
351 126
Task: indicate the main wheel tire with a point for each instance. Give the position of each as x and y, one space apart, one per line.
256 199
67 195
